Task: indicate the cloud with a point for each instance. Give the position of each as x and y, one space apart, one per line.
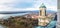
6 1
12 5
50 4
54 8
25 5
21 3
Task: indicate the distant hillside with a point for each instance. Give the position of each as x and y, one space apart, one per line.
48 11
15 12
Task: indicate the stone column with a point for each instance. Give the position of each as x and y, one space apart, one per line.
58 14
58 20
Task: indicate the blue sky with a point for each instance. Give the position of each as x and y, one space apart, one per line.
26 5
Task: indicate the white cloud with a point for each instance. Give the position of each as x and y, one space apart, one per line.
6 1
6 5
5 8
54 8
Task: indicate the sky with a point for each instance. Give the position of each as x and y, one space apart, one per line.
26 5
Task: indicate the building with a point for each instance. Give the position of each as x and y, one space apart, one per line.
43 19
42 9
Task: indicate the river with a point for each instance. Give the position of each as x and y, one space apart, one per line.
5 16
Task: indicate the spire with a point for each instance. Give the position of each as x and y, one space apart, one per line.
42 6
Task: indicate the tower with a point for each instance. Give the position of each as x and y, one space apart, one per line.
43 20
42 15
42 11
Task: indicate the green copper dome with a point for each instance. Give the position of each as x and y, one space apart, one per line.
42 6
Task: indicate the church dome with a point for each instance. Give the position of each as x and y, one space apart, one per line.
42 6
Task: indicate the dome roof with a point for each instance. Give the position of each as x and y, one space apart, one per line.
42 6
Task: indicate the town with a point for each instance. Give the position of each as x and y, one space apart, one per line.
29 20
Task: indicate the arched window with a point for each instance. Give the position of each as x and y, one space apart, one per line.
40 12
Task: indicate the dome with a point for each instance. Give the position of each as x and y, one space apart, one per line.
42 6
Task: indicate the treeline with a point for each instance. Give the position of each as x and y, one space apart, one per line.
20 22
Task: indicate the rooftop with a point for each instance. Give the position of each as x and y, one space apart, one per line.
42 6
